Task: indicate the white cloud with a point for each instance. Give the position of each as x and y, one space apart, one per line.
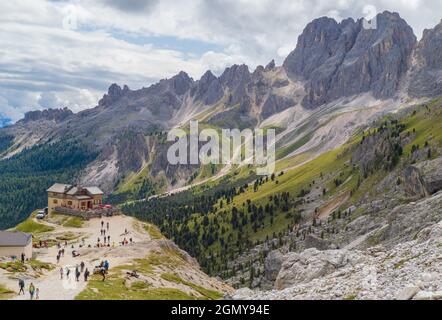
68 52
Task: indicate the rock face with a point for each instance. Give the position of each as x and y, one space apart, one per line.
427 74
208 89
312 241
410 270
272 265
344 59
311 264
57 115
424 178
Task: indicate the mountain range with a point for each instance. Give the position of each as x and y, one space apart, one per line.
326 102
333 64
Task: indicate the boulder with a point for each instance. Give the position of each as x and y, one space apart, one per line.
272 265
407 293
308 265
424 178
312 241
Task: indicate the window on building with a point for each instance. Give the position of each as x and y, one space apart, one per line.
69 203
55 201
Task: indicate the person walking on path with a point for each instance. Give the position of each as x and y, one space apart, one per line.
107 226
86 275
108 239
31 290
22 258
102 224
103 273
21 285
37 294
61 273
77 275
67 272
82 266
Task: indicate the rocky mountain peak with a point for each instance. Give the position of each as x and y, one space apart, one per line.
207 77
430 46
181 83
114 93
235 75
270 66
345 59
208 89
427 74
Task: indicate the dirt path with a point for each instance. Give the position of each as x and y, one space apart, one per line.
333 205
52 287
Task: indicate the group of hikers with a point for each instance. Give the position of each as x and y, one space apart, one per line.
33 291
65 272
60 254
79 269
106 239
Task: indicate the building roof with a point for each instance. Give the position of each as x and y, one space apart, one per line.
94 190
59 188
74 190
14 239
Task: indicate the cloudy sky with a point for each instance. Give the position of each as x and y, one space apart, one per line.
66 53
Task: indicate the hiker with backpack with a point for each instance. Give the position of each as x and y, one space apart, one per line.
86 274
31 290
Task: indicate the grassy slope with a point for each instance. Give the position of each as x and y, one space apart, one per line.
31 226
156 265
5 293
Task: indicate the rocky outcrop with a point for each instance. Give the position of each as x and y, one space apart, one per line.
424 178
380 150
414 185
114 93
56 115
312 264
344 59
312 241
273 264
